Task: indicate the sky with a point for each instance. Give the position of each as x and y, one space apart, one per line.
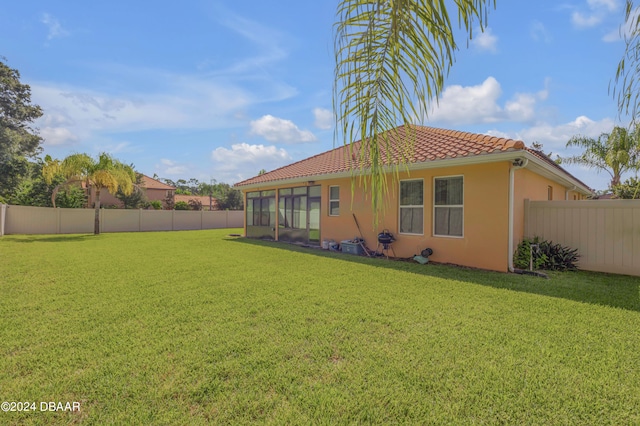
220 90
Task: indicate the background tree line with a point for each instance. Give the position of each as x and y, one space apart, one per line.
227 197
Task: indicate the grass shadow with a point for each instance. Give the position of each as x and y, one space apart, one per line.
618 291
47 239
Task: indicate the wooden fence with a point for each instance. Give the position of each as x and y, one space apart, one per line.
605 232
44 220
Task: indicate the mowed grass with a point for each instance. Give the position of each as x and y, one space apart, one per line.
201 328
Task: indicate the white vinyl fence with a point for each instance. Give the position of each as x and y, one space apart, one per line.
605 232
45 220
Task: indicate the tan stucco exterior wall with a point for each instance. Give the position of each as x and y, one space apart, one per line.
484 243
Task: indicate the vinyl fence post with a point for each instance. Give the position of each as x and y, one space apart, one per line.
58 219
3 215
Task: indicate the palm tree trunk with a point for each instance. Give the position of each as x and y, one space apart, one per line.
96 226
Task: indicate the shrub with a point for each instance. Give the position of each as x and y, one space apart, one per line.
156 204
546 255
523 256
195 205
181 205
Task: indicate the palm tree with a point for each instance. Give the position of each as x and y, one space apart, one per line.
615 152
96 174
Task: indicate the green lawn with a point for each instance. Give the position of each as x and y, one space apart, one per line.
197 327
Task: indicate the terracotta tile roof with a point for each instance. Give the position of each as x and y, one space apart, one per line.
429 144
204 199
151 183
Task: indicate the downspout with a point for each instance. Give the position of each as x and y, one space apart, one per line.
517 164
566 192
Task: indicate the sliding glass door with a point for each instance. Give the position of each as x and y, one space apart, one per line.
299 214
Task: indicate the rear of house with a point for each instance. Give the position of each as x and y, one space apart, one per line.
462 195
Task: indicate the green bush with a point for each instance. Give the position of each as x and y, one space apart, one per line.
156 204
523 258
546 255
181 205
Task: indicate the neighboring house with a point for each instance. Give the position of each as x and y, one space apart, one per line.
208 203
462 195
153 189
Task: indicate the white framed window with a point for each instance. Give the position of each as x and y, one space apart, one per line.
448 206
334 201
412 206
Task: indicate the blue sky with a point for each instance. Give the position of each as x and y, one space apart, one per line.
219 90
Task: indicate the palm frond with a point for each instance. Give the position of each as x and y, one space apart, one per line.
392 57
626 85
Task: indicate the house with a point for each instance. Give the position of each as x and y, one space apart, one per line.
462 195
153 190
208 203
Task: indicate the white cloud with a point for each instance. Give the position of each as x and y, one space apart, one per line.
479 104
555 137
55 28
485 41
597 11
470 104
610 5
243 160
324 118
625 30
182 102
58 136
245 153
279 130
171 168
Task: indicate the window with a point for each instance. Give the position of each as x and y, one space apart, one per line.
549 192
334 201
448 206
261 210
411 206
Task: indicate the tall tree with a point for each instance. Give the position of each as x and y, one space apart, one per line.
95 174
34 191
18 139
392 58
615 153
208 189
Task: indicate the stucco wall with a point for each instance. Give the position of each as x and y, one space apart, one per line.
484 242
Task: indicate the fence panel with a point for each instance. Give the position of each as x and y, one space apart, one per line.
119 220
45 220
76 221
31 220
156 220
605 232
